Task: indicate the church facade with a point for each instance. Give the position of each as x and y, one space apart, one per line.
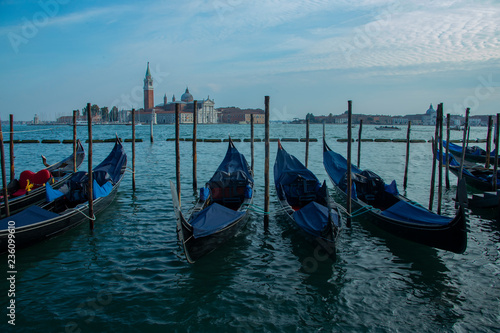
164 113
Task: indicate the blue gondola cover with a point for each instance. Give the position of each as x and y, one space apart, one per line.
101 191
112 165
287 170
30 215
212 219
412 213
312 218
233 169
51 194
336 166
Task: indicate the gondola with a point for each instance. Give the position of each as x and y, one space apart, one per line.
395 213
472 154
476 176
67 206
221 210
57 174
305 200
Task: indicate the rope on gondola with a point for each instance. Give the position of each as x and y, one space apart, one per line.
358 212
128 169
260 210
90 218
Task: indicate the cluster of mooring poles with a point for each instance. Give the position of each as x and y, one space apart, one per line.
90 181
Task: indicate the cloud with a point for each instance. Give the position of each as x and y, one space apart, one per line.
43 18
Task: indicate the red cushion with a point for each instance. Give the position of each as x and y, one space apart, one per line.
37 179
18 193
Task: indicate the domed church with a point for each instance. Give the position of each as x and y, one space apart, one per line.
164 113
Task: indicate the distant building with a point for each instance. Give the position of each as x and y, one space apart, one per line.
206 112
36 120
234 115
165 113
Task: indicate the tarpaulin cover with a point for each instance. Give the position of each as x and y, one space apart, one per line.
312 218
104 175
408 212
336 166
487 176
212 219
233 169
101 191
112 165
51 194
287 170
30 215
474 150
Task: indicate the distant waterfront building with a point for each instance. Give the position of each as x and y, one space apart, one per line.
164 113
399 121
234 115
36 120
430 116
206 112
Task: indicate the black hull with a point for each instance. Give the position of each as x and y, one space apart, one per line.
195 248
37 195
452 237
34 197
473 182
328 235
471 158
31 234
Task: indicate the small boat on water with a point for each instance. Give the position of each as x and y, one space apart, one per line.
388 128
221 210
479 178
305 200
66 207
476 176
472 154
29 189
395 213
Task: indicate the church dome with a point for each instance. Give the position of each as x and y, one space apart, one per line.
430 111
187 97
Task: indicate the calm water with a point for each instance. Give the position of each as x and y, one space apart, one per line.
129 274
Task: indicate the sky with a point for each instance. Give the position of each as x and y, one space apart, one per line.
388 57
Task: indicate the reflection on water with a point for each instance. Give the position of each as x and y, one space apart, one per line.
129 274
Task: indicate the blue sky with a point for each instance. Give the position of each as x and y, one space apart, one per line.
389 57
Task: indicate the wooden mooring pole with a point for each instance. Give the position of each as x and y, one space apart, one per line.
4 176
349 175
177 152
495 165
488 142
447 168
151 124
359 141
407 161
90 192
251 143
195 156
307 141
266 165
11 148
464 143
440 173
74 140
133 150
434 159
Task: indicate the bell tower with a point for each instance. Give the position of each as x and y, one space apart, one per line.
148 90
